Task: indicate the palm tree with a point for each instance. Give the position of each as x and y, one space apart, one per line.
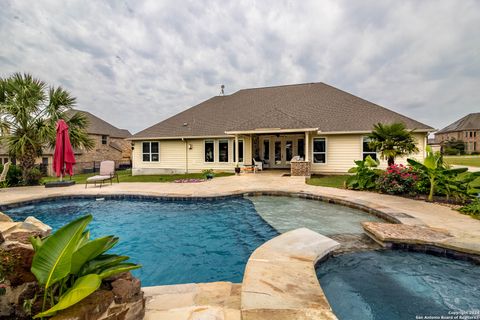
392 141
29 110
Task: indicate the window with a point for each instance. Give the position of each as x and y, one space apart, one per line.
223 151
466 134
278 152
266 149
150 151
319 150
209 151
301 148
471 134
367 151
104 139
240 151
289 150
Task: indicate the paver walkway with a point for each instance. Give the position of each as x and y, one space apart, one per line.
465 230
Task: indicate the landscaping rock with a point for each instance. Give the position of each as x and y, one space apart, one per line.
21 236
5 218
16 262
11 303
92 307
125 290
39 225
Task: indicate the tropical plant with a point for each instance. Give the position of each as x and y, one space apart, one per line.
29 110
398 179
365 174
439 175
392 141
69 266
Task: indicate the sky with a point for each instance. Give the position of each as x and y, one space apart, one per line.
135 63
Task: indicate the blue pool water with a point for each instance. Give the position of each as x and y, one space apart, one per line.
399 285
175 241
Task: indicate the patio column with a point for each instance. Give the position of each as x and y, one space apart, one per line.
236 149
307 146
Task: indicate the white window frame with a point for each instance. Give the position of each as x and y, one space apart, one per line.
214 153
314 153
150 153
234 158
366 152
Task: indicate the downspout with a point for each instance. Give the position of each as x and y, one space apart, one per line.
186 154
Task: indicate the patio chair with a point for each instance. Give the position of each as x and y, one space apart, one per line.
3 176
107 172
258 164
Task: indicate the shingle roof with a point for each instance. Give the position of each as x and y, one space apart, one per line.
310 105
469 122
101 127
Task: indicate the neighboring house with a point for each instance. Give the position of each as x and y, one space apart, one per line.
466 129
110 144
324 125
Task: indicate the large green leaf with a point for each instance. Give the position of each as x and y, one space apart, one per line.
81 289
91 250
101 262
119 268
52 261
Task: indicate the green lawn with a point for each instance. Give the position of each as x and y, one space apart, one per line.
126 176
471 161
335 181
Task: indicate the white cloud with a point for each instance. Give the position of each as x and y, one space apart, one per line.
135 63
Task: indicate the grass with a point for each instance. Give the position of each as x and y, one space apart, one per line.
335 181
471 161
126 176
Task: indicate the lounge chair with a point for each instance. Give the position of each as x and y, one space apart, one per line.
107 172
3 176
258 164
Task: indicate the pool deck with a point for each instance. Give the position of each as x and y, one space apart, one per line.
420 222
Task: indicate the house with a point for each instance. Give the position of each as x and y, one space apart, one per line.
323 125
110 144
466 129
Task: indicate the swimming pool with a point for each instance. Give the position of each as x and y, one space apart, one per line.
399 285
194 240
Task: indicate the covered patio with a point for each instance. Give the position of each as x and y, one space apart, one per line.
275 148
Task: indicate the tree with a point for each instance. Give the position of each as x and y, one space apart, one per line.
29 110
392 141
453 147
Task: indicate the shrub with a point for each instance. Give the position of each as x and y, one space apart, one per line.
33 177
365 174
472 209
14 175
398 179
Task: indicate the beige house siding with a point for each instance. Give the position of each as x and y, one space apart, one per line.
173 155
342 150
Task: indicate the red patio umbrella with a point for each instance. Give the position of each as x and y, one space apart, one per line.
63 158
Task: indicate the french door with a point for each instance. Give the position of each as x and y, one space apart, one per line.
277 151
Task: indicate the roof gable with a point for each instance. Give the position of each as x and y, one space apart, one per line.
101 127
469 122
